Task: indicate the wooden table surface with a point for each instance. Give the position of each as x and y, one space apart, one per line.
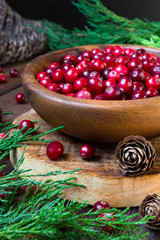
8 92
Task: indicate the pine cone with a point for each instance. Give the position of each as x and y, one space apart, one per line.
151 207
134 156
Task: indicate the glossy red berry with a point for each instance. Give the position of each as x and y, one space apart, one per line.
98 56
114 75
80 83
45 82
70 59
125 84
104 73
137 74
110 60
49 72
108 217
13 73
148 65
134 63
83 65
155 70
71 75
112 93
100 96
94 74
147 56
58 76
136 55
108 50
87 152
122 69
66 67
84 93
118 51
54 66
66 88
138 95
151 92
98 65
138 86
153 82
100 205
95 51
95 86
141 51
85 73
54 87
109 82
122 60
54 150
87 55
71 94
20 98
26 124
129 51
3 78
41 75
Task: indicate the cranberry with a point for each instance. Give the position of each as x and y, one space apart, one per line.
118 51
138 86
54 66
100 96
137 74
104 73
147 75
26 124
1 69
114 75
98 56
13 73
79 58
80 83
49 72
87 152
151 92
129 51
3 78
58 76
98 65
112 93
147 56
134 63
45 82
95 51
109 82
136 55
87 55
85 73
41 75
138 95
108 217
110 60
108 50
66 67
66 88
54 150
155 70
20 98
100 205
148 65
153 82
95 85
70 59
141 51
94 74
122 60
125 84
83 65
154 57
122 69
54 87
84 93
2 135
71 75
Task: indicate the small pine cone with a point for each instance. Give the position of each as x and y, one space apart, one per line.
151 207
134 156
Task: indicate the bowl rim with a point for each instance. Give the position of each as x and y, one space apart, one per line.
29 81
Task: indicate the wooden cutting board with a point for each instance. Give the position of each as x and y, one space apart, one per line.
100 176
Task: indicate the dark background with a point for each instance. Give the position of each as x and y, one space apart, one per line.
65 13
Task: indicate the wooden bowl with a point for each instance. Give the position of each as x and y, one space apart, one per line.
90 120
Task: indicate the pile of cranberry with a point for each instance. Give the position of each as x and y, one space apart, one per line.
116 73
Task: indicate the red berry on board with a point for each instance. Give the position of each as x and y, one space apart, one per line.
3 78
27 124
108 217
84 93
87 152
83 65
54 150
20 98
87 55
13 73
100 205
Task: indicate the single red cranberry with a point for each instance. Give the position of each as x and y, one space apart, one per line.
58 76
108 217
91 64
66 88
87 55
154 57
138 86
129 51
151 92
134 63
95 86
112 93
79 58
84 93
104 73
54 87
136 55
98 65
138 95
108 50
13 73
3 78
147 75
95 51
122 60
1 69
45 82
41 75
54 150
70 59
114 75
66 67
54 66
49 72
137 74
98 56
109 82
87 152
153 82
2 135
94 74
83 65
20 98
122 69
85 73
100 96
71 94
80 83
125 84
100 205
148 65
155 70
118 51
147 56
141 51
71 75
26 124
110 60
